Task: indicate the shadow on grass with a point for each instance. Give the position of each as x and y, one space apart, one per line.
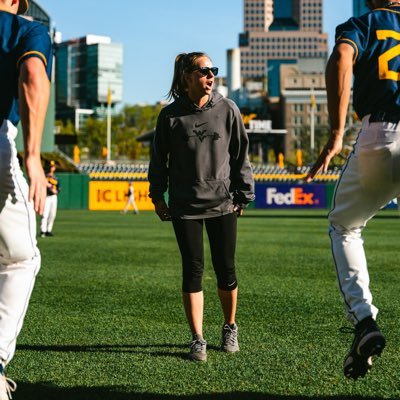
43 391
147 349
48 391
284 216
306 216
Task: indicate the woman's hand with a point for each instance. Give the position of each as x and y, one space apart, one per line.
162 210
238 209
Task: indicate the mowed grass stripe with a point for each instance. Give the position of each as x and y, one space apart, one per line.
106 319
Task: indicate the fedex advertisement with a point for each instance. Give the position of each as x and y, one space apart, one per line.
271 195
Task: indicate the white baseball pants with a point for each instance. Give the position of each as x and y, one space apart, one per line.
370 179
19 255
131 202
49 214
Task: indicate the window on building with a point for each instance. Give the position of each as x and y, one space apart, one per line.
283 8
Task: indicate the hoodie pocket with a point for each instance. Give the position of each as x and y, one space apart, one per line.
207 193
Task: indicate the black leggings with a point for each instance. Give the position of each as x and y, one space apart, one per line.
221 233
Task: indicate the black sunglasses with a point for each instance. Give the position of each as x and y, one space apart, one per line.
206 70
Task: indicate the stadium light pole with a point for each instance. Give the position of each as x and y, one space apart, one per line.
109 125
312 125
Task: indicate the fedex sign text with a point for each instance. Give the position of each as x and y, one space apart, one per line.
290 196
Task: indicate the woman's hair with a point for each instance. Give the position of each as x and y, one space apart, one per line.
184 62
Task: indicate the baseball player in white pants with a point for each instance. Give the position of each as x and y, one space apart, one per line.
25 69
131 200
370 180
19 256
50 207
49 215
365 47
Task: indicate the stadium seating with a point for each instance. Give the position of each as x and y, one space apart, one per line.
262 172
267 173
115 172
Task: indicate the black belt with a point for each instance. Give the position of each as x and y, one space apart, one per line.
383 116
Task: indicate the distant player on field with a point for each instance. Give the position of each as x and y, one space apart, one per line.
369 47
25 65
131 200
50 207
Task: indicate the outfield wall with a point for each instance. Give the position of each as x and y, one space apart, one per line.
73 191
294 196
113 195
78 192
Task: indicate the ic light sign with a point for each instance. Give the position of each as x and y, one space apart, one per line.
290 196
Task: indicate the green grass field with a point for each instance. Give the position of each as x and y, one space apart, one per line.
106 320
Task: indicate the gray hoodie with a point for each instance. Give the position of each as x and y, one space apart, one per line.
201 156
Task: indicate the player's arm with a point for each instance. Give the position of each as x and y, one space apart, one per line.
339 73
34 94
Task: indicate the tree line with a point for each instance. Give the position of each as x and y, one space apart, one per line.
126 126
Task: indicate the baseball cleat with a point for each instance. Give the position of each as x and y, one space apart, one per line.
356 367
230 342
198 349
368 342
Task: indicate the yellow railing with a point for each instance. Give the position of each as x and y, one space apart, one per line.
118 175
293 177
257 177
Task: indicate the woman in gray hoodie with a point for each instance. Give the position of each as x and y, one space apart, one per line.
200 156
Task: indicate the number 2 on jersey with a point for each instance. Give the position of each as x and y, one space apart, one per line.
384 71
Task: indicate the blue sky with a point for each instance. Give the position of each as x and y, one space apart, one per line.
154 32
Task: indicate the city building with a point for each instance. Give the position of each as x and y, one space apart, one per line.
303 101
278 32
304 105
37 13
359 7
88 77
282 53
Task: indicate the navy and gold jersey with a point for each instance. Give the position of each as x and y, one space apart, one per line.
55 184
375 37
19 40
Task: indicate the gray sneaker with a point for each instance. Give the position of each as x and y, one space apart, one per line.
230 342
198 349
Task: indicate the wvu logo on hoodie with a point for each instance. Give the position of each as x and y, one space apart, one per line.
201 133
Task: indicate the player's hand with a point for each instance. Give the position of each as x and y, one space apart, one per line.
332 148
238 209
162 210
37 183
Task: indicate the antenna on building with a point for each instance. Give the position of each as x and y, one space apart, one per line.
312 124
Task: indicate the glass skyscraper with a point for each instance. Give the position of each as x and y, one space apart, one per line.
37 13
87 69
359 7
